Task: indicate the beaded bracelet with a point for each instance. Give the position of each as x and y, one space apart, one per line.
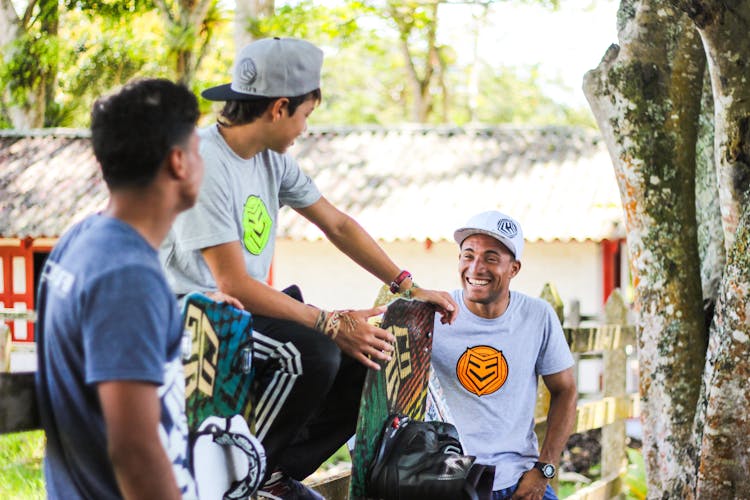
330 324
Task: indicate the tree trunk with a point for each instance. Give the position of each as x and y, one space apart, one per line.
723 27
420 84
189 33
708 209
246 11
645 95
48 84
24 100
723 429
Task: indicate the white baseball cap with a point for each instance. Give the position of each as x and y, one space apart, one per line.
271 67
500 226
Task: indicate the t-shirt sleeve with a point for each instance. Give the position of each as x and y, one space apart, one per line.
297 189
211 221
554 355
124 330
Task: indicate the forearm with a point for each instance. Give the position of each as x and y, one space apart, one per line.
131 413
560 421
227 265
143 470
263 300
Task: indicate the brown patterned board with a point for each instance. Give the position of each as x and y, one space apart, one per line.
400 385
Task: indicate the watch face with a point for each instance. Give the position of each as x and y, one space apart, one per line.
548 470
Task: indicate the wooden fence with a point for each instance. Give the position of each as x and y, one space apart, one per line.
610 338
18 410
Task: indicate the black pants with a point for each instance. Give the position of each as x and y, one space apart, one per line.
307 394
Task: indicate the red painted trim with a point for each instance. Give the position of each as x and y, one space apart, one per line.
7 296
610 267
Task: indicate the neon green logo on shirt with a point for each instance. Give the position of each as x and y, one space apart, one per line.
256 223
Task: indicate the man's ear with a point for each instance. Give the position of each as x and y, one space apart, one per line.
175 163
515 267
278 107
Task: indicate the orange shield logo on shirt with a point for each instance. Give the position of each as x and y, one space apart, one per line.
482 370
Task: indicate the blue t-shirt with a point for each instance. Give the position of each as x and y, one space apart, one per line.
105 313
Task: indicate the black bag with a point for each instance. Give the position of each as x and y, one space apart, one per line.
424 461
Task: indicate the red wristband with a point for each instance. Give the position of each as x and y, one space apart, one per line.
396 284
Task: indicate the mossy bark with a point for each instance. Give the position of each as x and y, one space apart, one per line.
722 424
646 95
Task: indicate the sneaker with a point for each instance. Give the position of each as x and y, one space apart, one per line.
287 488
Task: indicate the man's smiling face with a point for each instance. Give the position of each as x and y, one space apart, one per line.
486 267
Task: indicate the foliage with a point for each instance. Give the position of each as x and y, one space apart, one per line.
365 76
104 43
635 478
92 66
21 457
34 56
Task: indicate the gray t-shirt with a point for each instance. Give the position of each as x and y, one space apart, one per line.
488 369
239 200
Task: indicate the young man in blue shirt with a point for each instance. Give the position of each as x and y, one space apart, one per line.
110 383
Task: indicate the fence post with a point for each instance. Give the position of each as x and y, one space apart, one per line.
4 347
549 293
613 435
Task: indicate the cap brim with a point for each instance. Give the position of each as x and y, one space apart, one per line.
461 234
225 93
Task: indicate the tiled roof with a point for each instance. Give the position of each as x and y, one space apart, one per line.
413 182
48 180
399 183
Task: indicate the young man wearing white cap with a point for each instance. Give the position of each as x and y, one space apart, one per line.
310 364
488 362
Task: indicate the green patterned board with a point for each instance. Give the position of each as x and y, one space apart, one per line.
400 385
217 360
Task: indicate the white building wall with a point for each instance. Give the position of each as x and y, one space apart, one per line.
330 280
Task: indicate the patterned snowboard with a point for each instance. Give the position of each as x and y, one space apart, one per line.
228 460
217 357
400 385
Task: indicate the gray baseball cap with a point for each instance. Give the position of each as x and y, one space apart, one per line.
503 228
271 67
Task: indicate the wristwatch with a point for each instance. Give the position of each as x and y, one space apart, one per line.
547 470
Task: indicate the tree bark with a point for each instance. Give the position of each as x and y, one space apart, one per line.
645 95
722 425
723 28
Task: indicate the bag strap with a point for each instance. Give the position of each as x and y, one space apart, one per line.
479 481
246 486
394 423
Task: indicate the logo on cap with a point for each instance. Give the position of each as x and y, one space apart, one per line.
246 74
507 228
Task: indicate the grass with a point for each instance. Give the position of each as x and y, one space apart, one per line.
21 469
21 457
342 455
634 481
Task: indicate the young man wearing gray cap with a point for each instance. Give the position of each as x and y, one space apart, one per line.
488 362
310 364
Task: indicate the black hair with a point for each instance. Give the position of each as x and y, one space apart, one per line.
134 129
247 111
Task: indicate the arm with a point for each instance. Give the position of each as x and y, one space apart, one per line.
131 414
349 237
228 268
560 421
